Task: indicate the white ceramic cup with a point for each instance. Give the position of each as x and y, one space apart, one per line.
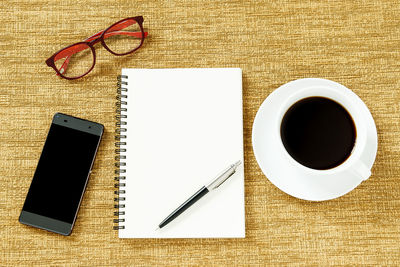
296 179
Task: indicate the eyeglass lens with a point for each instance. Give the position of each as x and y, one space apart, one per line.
74 61
123 37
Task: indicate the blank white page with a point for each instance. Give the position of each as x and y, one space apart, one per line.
184 126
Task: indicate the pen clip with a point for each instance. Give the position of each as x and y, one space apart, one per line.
223 176
220 182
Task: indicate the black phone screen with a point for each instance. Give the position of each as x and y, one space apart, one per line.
61 174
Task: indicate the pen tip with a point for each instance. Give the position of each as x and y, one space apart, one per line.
158 228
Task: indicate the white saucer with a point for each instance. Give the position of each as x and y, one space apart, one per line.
301 182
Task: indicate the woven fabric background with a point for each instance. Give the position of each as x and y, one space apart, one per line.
355 43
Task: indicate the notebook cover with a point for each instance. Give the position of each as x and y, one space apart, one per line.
184 126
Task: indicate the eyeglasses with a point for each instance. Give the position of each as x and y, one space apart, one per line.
122 38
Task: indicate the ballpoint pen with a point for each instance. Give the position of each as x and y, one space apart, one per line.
215 183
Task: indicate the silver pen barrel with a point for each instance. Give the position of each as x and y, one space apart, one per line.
215 183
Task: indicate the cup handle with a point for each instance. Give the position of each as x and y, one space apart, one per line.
360 170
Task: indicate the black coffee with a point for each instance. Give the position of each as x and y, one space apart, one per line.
318 133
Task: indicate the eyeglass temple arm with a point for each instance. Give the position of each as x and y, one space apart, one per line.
95 38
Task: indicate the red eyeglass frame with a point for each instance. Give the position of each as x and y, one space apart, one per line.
91 41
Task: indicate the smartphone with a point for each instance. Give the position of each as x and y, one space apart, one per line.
62 173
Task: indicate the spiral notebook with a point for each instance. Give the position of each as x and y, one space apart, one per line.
178 129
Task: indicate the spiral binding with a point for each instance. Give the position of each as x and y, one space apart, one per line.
120 150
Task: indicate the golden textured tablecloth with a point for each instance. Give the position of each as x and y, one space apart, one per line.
355 43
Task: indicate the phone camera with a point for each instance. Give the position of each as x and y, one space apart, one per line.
90 127
65 120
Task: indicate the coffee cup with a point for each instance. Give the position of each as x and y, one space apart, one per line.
314 139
